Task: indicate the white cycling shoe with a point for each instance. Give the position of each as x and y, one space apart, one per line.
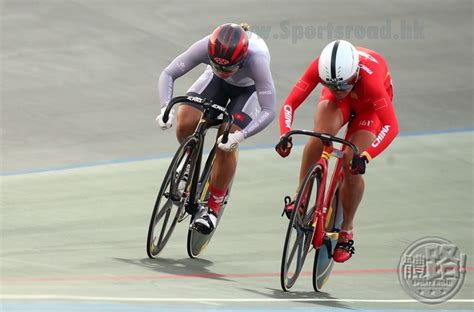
205 222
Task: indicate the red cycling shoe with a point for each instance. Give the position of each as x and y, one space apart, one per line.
344 249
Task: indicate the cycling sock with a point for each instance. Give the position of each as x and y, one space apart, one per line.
216 198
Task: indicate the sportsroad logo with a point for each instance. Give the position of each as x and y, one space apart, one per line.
432 270
390 30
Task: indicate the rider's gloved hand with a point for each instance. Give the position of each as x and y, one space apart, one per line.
284 146
358 164
232 143
165 125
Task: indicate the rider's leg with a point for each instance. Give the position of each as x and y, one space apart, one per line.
352 188
362 132
243 104
186 121
328 119
206 86
222 173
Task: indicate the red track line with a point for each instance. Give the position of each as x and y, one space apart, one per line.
7 280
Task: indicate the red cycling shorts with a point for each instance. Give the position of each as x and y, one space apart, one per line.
359 114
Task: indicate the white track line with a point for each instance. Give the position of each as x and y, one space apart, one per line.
130 299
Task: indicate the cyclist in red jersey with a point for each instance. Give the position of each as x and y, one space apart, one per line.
357 89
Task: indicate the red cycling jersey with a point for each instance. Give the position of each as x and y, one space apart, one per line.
371 96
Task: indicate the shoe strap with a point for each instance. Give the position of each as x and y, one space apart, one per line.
347 246
208 220
348 235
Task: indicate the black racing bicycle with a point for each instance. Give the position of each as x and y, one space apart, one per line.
185 185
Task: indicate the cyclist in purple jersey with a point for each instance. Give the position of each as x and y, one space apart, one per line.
239 77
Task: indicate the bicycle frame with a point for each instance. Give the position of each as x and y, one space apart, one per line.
323 203
198 137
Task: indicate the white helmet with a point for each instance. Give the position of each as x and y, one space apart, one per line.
339 65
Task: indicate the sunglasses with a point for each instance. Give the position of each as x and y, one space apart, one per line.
342 85
224 69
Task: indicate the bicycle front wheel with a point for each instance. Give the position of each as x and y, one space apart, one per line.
169 203
300 231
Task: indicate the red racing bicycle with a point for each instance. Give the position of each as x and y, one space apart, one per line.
316 225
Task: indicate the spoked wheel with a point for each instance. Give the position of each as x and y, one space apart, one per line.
300 231
169 205
197 242
323 262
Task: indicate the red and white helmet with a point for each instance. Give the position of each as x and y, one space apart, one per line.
227 48
339 65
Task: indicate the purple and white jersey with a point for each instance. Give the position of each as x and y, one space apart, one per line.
255 71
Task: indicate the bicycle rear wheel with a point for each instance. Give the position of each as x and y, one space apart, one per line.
198 242
169 203
300 231
323 262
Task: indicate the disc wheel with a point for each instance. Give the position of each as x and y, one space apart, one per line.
323 262
198 242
